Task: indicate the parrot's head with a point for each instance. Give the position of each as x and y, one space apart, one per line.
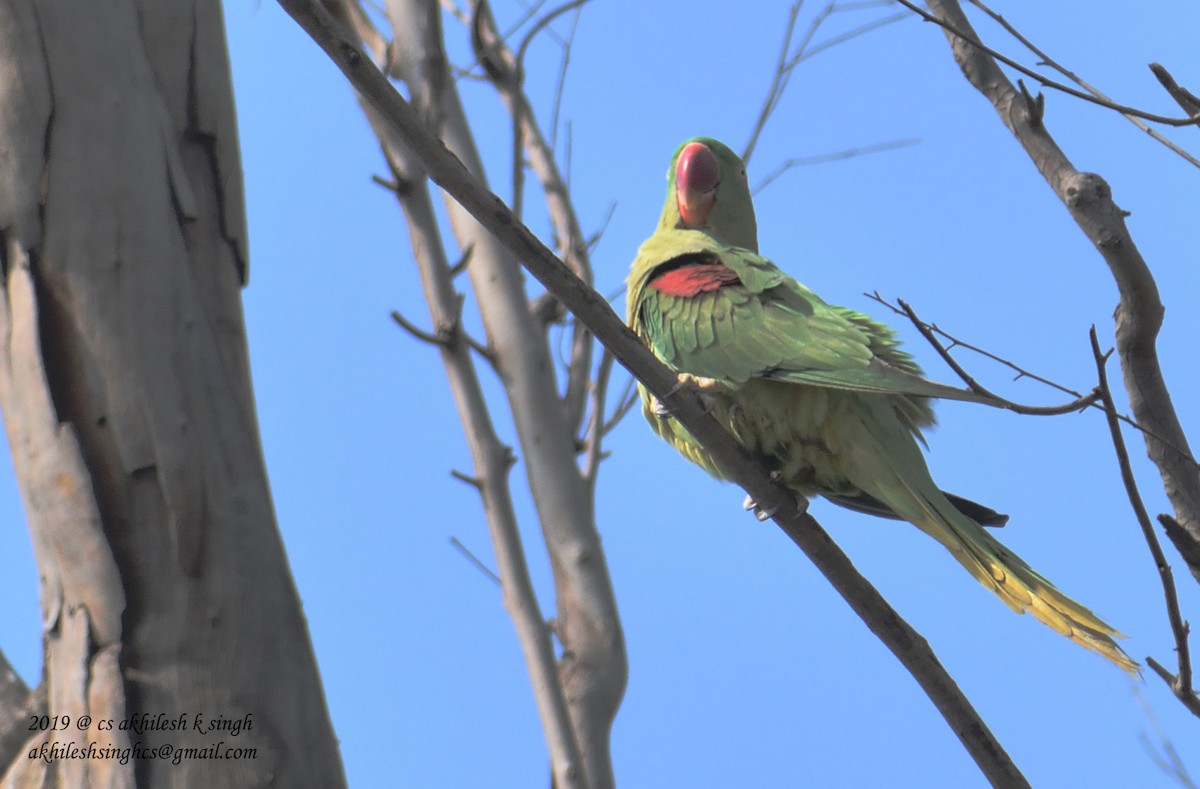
707 190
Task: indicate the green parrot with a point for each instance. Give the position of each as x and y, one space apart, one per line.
821 394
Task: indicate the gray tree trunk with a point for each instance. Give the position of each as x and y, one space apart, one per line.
126 393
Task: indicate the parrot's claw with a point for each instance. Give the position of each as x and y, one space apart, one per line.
764 514
661 409
751 505
698 385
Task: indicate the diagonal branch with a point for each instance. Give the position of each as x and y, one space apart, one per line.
448 172
957 26
1078 404
492 459
1051 63
931 332
849 153
1183 97
1181 685
1139 314
505 70
787 62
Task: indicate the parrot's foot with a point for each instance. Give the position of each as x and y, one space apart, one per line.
701 386
750 505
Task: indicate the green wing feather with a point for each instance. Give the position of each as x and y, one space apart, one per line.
768 326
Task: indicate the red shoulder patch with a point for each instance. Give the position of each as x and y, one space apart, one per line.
694 279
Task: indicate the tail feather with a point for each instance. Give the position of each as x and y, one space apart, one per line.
1016 583
889 466
861 502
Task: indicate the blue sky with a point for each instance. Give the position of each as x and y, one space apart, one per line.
745 667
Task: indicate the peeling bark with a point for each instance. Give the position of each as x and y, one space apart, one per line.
126 395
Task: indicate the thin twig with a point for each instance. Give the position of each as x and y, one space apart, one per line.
1169 761
480 57
849 153
595 426
1046 81
1181 685
1080 402
439 338
529 13
466 479
1183 97
841 38
1190 702
389 184
786 64
475 560
464 260
594 239
1048 61
960 343
625 403
446 335
561 82
1021 372
778 81
542 24
454 11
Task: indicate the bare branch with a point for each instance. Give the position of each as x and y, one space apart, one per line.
541 25
1181 685
841 38
440 338
1139 314
463 261
595 237
595 427
446 335
1081 402
492 459
1048 61
849 153
456 12
955 342
505 72
625 403
963 30
387 184
1168 760
1183 97
787 63
1191 702
778 81
466 479
448 171
560 84
591 676
930 332
475 560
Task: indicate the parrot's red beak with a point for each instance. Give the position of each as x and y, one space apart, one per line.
697 176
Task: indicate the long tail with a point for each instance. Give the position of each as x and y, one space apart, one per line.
900 478
1016 583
